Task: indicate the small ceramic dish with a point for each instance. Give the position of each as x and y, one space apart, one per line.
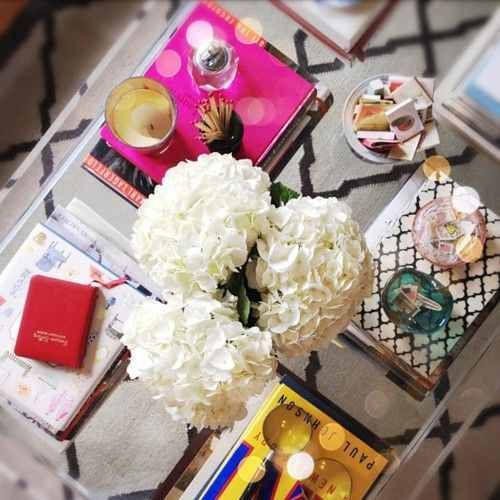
348 122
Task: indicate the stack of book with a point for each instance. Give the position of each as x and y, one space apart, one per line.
345 26
477 101
253 460
468 98
273 116
58 399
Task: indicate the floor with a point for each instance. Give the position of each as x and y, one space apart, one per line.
46 52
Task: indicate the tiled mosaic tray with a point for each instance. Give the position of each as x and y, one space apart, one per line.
475 289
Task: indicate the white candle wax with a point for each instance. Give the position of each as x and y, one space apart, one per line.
142 117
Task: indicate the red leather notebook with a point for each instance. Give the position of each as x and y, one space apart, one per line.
56 321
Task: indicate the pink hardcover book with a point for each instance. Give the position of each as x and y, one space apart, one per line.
267 93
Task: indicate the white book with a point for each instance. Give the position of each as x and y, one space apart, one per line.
482 88
94 221
342 25
98 245
53 395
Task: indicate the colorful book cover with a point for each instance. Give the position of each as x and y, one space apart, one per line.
267 92
419 361
118 174
53 395
346 458
135 186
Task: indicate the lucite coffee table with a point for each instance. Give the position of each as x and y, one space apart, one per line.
130 445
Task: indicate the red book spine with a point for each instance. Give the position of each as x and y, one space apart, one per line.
86 330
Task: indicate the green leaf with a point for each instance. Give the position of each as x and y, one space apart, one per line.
281 194
253 253
243 304
237 286
234 283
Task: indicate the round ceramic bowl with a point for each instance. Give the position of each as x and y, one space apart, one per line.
348 122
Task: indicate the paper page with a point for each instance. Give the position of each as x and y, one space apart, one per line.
99 247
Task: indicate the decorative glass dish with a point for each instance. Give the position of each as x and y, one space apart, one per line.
416 302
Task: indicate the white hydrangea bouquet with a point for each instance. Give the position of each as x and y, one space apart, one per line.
249 270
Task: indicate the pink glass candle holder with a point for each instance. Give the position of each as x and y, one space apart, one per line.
447 237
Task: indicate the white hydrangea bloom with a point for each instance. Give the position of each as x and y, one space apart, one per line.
201 222
197 358
313 271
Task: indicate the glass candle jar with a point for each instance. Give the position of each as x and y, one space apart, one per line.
213 65
447 237
141 113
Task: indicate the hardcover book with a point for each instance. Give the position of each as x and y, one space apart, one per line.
419 361
344 28
119 174
347 458
50 395
267 92
133 185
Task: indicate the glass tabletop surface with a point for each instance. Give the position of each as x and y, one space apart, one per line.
130 444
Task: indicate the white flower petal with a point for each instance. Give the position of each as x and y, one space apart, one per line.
282 257
322 284
221 359
199 226
208 365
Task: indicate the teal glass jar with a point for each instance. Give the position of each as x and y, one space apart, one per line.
416 302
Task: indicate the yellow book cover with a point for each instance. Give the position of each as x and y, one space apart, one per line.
295 448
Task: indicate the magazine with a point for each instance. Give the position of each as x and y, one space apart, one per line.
477 100
96 246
